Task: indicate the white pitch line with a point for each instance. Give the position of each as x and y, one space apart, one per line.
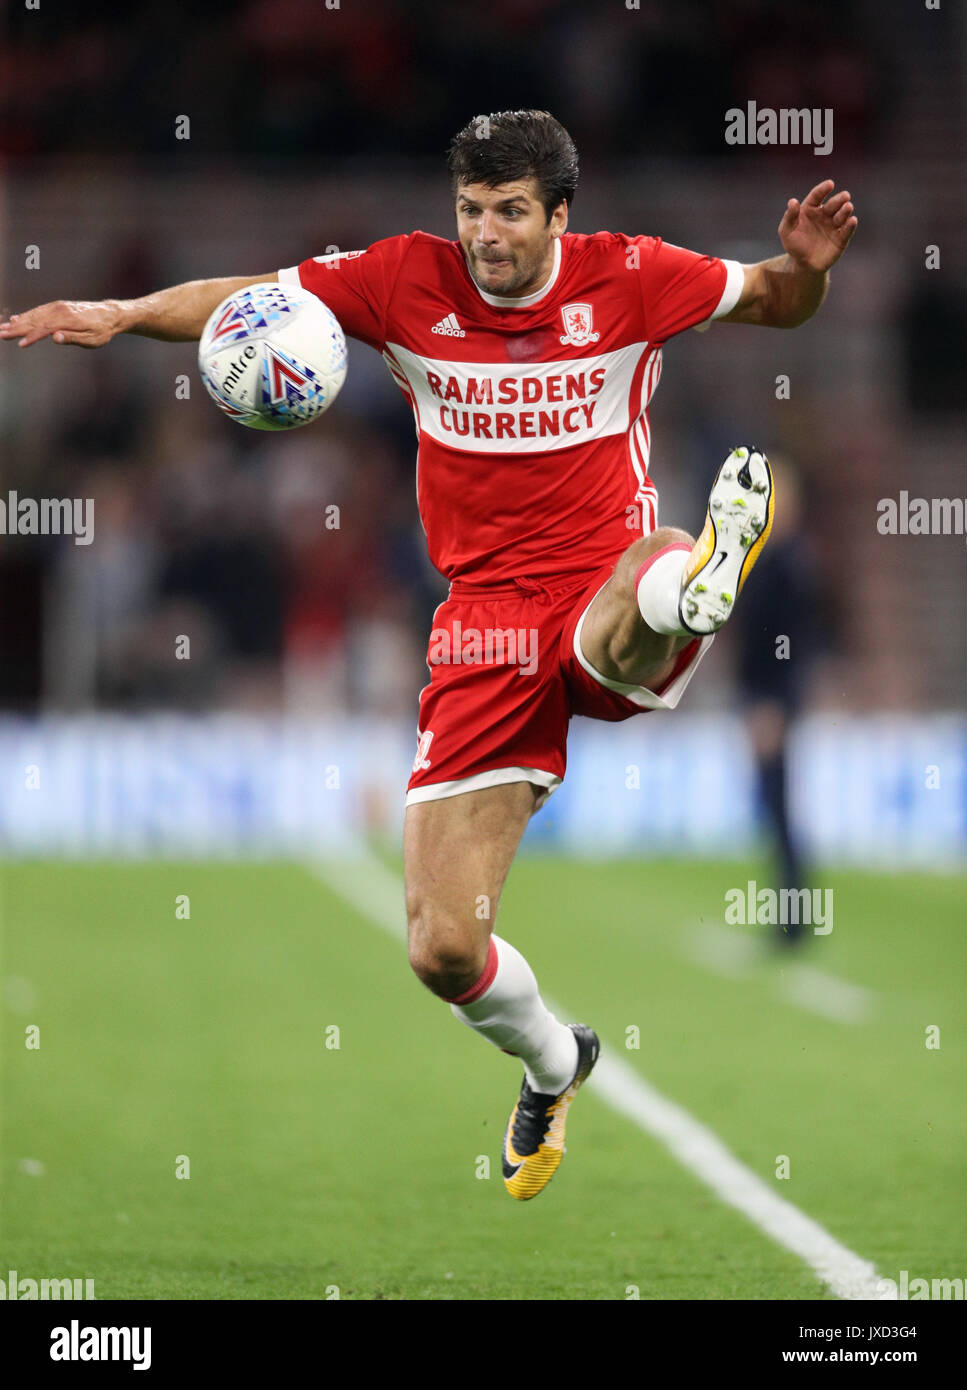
377 893
701 1151
823 993
736 954
729 953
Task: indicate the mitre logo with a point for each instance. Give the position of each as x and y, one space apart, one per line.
578 324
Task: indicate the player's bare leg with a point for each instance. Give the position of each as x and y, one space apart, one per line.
615 637
667 589
457 852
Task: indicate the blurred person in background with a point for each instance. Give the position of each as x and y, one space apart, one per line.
778 640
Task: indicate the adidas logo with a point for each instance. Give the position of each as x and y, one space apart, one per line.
449 327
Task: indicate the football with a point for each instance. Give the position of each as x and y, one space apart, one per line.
272 357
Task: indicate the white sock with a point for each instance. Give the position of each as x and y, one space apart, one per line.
511 1014
658 589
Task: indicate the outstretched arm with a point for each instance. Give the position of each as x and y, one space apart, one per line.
176 315
787 290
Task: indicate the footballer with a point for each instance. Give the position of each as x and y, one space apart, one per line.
529 355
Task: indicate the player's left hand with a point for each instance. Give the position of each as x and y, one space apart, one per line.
818 230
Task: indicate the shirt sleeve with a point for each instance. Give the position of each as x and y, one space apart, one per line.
682 289
356 285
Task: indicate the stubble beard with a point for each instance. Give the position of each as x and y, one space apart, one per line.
519 277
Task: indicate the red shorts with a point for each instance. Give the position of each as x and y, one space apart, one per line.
506 674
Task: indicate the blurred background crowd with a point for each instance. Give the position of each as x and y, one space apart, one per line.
316 128
280 78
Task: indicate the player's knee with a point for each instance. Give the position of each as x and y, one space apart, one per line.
637 553
628 652
445 958
446 971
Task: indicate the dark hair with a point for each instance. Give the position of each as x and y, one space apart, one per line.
509 145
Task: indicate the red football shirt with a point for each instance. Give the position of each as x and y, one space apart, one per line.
531 414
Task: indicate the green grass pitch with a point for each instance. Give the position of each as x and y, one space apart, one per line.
359 1168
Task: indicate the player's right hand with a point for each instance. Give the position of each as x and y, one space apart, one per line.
88 325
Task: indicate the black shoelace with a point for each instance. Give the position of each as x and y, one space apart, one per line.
531 1122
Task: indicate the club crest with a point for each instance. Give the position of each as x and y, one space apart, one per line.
578 324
